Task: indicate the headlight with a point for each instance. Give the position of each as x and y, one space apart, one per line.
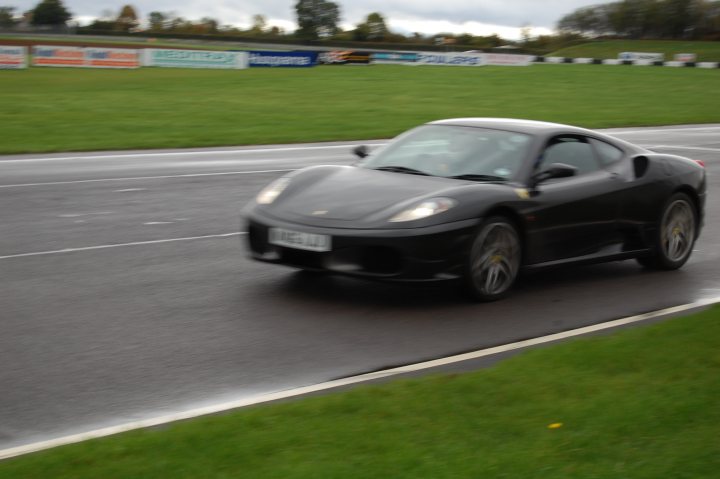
424 209
272 191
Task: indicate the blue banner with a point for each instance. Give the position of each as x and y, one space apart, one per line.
387 57
282 59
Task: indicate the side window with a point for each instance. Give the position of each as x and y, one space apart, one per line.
608 154
573 151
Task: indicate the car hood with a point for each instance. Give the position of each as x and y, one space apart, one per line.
348 194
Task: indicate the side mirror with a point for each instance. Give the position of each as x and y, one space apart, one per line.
361 151
555 170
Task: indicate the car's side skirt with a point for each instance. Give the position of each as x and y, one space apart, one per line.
588 259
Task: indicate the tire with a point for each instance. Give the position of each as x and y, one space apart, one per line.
494 260
675 236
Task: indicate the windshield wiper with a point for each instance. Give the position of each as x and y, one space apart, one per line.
402 169
474 177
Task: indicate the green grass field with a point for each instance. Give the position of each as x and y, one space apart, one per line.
705 51
46 109
639 404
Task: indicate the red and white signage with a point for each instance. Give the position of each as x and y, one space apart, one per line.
112 58
685 57
58 56
12 57
54 56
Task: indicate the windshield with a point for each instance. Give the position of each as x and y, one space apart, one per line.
454 151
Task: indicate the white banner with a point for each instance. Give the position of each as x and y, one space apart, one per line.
685 57
657 57
451 59
112 58
194 59
55 56
554 59
508 59
12 57
62 56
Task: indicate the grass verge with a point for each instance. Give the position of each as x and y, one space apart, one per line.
49 109
641 403
705 51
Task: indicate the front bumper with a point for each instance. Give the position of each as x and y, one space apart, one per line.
431 253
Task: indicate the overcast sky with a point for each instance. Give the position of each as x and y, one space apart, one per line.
479 17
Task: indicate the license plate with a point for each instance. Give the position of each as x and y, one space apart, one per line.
299 240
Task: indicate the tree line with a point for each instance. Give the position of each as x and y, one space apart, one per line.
320 20
656 19
316 19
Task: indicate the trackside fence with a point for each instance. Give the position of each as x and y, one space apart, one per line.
16 57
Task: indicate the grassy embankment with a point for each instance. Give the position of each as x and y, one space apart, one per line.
48 109
705 51
642 403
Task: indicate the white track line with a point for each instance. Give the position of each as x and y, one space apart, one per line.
188 153
119 245
189 175
290 393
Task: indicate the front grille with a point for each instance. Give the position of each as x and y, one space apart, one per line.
306 259
374 260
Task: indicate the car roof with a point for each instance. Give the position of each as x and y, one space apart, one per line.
512 124
536 128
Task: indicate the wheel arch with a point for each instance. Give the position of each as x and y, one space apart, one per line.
516 219
692 194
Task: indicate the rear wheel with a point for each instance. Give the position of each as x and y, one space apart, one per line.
494 260
675 236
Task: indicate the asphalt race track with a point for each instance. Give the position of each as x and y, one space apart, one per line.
125 292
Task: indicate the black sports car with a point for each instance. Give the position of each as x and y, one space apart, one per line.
479 199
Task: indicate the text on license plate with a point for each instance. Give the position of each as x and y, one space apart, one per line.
299 240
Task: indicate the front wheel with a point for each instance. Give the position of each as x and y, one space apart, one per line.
494 260
675 235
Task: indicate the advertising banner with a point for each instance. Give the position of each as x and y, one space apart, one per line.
358 58
347 57
509 59
54 56
13 57
394 58
112 58
641 56
554 59
451 59
283 59
194 59
685 57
